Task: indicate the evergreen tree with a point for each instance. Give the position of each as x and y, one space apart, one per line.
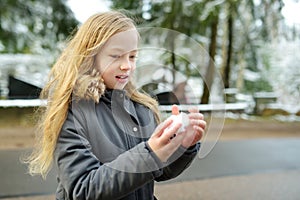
34 26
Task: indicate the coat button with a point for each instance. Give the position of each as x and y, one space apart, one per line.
121 95
135 129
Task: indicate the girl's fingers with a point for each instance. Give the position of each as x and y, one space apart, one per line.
170 132
200 123
193 110
196 116
167 130
175 110
176 141
199 130
161 127
161 143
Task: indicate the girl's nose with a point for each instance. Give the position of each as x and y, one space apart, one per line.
125 65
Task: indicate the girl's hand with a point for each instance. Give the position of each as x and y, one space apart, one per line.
196 128
161 143
165 140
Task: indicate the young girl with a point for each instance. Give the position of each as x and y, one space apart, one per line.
100 133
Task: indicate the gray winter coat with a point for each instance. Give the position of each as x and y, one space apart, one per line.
102 151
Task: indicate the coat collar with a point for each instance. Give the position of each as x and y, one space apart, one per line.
120 99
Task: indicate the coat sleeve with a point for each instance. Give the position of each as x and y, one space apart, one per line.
178 162
83 176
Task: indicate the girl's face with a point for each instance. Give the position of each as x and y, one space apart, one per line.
117 59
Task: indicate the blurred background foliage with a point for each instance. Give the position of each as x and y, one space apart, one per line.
34 26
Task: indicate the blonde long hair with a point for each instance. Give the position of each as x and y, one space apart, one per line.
76 65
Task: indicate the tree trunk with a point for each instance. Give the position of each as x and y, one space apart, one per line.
227 67
209 76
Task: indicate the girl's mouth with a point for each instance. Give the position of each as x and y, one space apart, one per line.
122 78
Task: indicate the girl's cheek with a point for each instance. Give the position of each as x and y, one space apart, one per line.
133 67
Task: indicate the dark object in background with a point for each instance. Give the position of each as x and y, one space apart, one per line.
19 89
167 98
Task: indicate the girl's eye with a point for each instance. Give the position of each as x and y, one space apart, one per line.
115 56
133 57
